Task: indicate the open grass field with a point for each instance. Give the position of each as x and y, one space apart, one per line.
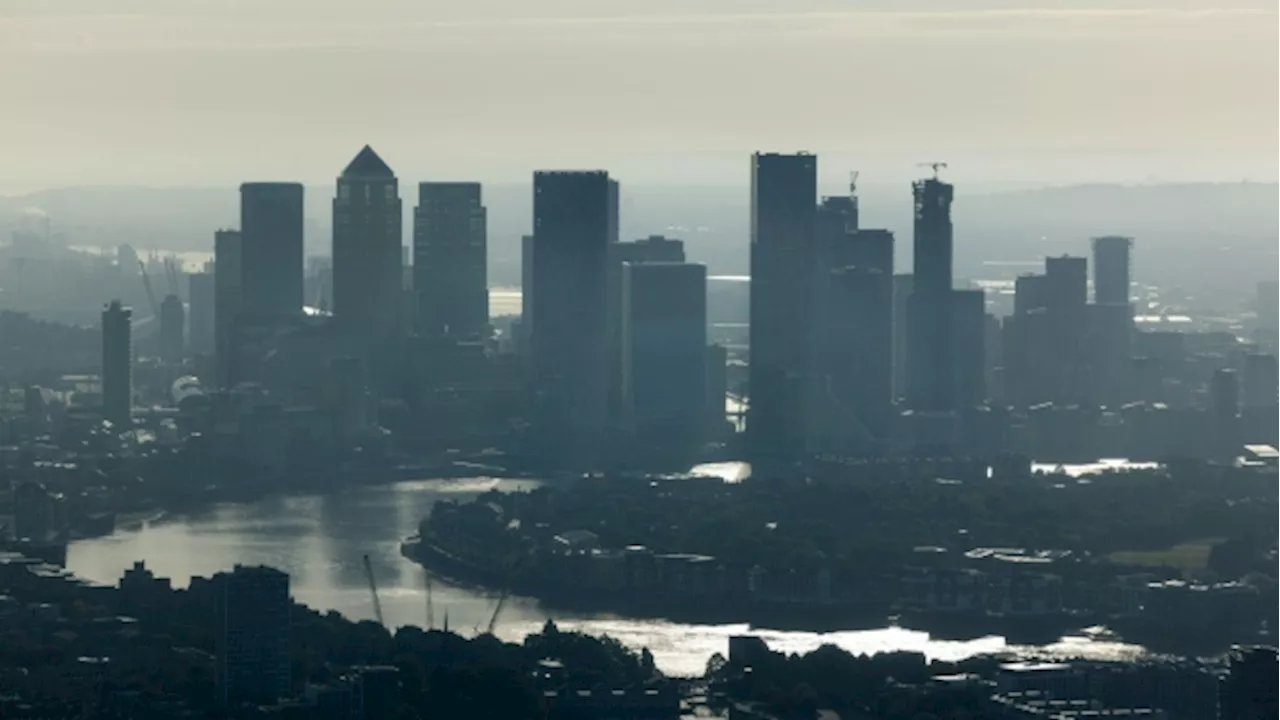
1189 557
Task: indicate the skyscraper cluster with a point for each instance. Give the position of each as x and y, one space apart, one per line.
836 337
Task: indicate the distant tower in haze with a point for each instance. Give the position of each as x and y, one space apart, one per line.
1261 383
526 293
227 299
664 351
1067 314
929 381
569 330
173 318
117 365
1111 269
969 345
367 274
200 297
655 248
784 197
271 233
450 278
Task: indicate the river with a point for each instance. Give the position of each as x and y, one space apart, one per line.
320 540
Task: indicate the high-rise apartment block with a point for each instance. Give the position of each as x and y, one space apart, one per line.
117 365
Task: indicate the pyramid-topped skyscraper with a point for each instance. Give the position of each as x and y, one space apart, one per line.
367 275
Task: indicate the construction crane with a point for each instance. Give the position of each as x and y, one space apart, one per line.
502 598
373 591
151 294
936 167
431 612
171 270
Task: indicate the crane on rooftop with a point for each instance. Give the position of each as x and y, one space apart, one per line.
151 294
373 590
936 166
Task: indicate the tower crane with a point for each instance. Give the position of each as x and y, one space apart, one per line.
936 166
373 591
171 270
151 294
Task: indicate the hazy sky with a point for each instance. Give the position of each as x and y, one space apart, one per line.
214 91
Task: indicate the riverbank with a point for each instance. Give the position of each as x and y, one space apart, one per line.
808 617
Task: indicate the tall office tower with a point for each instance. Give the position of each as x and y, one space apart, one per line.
526 294
201 298
253 607
1224 408
450 277
173 318
1261 384
1110 347
227 300
1249 690
784 190
664 351
1066 311
1025 343
854 398
1111 269
117 365
1269 305
570 324
615 211
367 275
271 238
902 287
929 379
969 347
836 222
655 248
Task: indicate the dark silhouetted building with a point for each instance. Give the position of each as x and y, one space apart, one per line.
1248 692
569 332
1224 402
902 288
1111 269
253 651
367 274
172 330
1025 335
450 277
654 248
615 211
271 249
1268 306
784 196
1261 386
968 323
930 374
1066 312
1110 343
227 297
664 351
201 296
854 400
526 293
117 365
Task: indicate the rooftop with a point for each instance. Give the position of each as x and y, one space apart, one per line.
367 163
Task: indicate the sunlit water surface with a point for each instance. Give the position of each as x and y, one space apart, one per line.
320 541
